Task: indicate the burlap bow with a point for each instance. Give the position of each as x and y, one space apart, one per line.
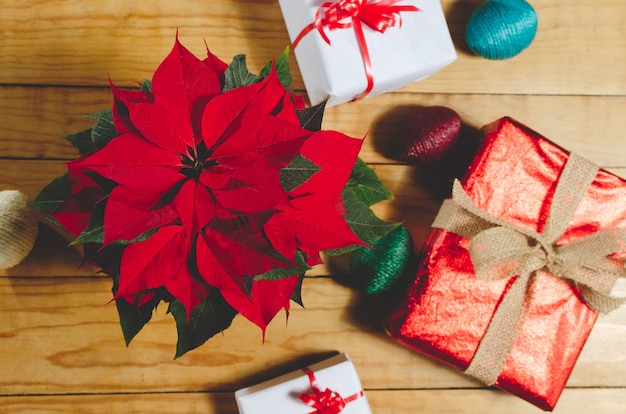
499 249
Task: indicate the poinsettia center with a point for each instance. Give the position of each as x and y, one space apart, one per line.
196 161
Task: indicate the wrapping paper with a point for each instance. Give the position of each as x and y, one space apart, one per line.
447 309
282 394
407 52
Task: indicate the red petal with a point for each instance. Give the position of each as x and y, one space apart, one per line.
262 136
162 127
195 206
211 269
215 63
298 101
181 85
216 177
161 261
273 94
75 211
280 234
124 220
139 299
223 111
314 222
131 161
188 290
266 299
336 154
239 253
75 223
312 256
253 189
288 111
79 181
121 118
150 264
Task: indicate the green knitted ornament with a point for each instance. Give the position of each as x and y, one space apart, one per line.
375 269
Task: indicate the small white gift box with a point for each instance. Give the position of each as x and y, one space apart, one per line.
414 45
333 381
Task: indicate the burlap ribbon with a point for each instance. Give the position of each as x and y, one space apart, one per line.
501 250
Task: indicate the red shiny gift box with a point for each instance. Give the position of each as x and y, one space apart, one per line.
520 261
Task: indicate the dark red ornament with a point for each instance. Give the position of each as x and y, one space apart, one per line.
428 134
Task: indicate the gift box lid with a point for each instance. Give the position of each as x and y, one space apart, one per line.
413 47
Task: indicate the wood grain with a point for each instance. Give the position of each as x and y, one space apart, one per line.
75 335
583 124
417 197
61 347
126 40
573 401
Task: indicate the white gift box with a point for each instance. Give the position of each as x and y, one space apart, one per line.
282 394
407 52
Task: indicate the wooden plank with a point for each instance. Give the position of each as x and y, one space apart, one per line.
412 205
417 197
61 348
32 120
60 336
29 176
208 403
573 401
586 125
81 43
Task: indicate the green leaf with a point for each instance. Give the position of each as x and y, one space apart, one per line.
53 195
81 141
134 318
363 190
362 219
281 65
146 86
94 232
142 237
104 130
284 272
237 74
299 170
210 317
296 296
366 185
311 118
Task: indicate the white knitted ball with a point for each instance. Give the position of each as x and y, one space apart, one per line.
18 228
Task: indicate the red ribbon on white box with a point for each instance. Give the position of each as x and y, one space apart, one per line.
325 401
342 14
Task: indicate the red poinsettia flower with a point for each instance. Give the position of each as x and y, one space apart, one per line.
202 168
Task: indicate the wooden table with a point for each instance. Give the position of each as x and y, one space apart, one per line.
61 349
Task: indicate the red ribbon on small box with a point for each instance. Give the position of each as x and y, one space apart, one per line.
343 14
325 401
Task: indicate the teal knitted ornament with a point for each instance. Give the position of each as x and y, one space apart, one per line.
375 269
501 29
